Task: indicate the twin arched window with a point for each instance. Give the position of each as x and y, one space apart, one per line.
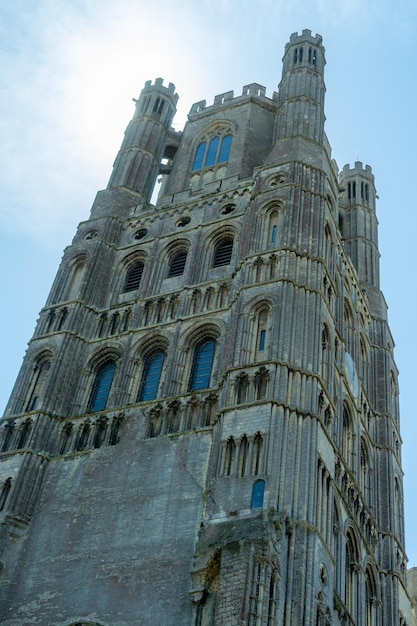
212 152
102 385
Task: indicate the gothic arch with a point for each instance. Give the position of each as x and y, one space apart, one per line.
218 129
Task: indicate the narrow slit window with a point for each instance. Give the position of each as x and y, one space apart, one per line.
102 386
152 376
262 337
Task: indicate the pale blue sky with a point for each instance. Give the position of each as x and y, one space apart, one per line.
68 72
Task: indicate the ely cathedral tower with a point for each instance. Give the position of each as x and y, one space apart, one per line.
205 428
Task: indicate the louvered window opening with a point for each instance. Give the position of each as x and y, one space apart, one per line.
102 386
152 377
202 365
177 265
223 253
133 277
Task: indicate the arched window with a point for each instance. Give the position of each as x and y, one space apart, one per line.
202 365
230 456
212 152
23 434
257 454
261 335
177 264
151 376
243 456
223 252
74 283
133 277
370 597
258 491
38 380
325 354
351 568
7 485
347 435
273 227
102 385
199 156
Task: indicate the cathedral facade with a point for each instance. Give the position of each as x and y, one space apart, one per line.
205 427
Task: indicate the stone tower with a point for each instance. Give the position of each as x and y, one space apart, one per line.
205 428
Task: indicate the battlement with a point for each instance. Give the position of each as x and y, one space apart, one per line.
357 170
159 85
305 36
250 90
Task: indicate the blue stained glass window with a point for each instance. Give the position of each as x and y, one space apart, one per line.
212 152
152 376
102 386
258 491
199 156
274 234
262 336
202 365
225 149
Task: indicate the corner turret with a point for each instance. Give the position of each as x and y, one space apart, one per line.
359 223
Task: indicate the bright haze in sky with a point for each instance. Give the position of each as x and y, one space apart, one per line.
69 71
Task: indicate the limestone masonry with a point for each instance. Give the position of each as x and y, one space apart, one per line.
205 427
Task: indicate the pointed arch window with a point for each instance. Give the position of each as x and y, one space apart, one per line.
202 365
225 146
199 156
223 252
152 376
212 152
133 277
102 385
